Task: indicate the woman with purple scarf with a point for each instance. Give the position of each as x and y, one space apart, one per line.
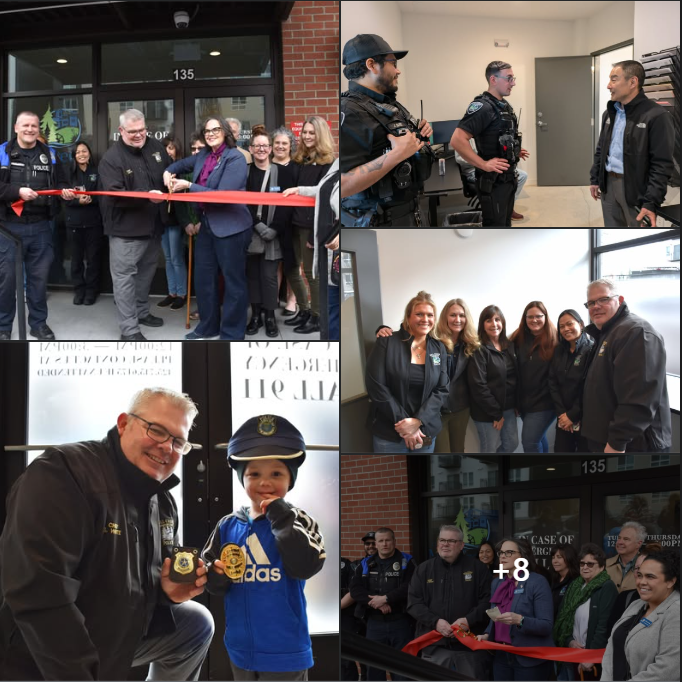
224 234
526 614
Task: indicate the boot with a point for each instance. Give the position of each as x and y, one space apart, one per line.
271 329
312 325
302 317
256 321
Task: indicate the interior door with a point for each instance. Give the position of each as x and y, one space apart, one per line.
563 120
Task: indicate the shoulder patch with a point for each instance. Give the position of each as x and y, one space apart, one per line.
474 107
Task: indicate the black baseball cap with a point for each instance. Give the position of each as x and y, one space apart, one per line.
366 45
369 536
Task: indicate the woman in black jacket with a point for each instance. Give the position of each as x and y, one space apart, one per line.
566 377
407 382
491 375
563 571
535 341
84 221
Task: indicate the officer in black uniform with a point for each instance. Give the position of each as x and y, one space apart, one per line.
26 166
384 158
349 670
379 586
491 121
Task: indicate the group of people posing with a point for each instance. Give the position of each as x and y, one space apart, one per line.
628 605
241 251
603 385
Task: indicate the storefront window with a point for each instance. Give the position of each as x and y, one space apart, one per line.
477 515
158 116
250 111
559 467
65 120
545 523
182 61
459 472
659 512
50 69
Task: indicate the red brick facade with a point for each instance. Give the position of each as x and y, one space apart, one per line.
373 494
310 40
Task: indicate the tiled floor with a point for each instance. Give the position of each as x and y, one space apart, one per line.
98 322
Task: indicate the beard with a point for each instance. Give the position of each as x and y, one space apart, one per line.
387 83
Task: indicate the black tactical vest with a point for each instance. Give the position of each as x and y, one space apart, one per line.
34 170
488 143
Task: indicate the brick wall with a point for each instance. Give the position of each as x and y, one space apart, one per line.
310 40
373 494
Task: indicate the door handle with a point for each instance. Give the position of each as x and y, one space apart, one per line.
541 124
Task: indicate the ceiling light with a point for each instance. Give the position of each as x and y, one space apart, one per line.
215 53
61 61
551 469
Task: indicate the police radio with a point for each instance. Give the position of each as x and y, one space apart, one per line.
510 139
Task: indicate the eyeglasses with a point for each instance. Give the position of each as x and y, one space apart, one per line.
443 541
602 301
260 146
507 552
196 149
510 79
213 131
160 434
534 317
588 564
133 133
391 61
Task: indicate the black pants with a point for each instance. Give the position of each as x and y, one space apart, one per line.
88 243
569 441
497 205
262 279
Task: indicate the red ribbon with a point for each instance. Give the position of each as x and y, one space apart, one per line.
212 197
548 653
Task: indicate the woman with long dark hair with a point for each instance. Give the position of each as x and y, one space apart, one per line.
535 341
563 570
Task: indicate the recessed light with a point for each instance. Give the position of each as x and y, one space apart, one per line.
215 53
61 61
551 469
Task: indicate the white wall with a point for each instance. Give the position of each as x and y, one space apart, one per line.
612 25
657 26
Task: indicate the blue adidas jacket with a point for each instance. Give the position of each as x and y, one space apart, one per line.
266 624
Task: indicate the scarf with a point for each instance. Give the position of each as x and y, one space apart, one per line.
575 596
503 597
212 160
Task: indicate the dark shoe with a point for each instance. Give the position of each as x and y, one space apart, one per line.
288 313
193 336
312 325
43 333
78 299
254 325
516 216
166 301
151 321
90 299
134 337
5 336
178 303
302 317
271 329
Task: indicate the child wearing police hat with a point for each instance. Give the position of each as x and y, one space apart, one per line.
260 556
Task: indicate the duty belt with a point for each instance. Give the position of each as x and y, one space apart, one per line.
392 213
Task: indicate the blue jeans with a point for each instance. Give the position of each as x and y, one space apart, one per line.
38 252
227 255
176 270
382 445
566 674
507 668
508 435
333 305
533 434
523 176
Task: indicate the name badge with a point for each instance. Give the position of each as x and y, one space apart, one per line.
274 189
519 590
645 622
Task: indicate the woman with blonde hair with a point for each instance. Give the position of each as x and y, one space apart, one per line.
310 163
407 382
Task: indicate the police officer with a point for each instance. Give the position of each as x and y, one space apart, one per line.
349 670
384 158
379 586
491 121
26 166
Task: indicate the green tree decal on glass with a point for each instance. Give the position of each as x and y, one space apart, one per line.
48 126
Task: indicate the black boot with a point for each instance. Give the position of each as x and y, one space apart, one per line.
302 317
271 329
256 321
311 326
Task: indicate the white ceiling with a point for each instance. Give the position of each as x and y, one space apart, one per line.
511 9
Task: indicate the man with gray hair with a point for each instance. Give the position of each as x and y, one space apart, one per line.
621 568
134 163
85 573
625 398
236 127
451 589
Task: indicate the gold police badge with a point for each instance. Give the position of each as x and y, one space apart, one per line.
234 560
184 564
267 425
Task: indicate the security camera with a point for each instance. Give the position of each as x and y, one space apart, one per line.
181 19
